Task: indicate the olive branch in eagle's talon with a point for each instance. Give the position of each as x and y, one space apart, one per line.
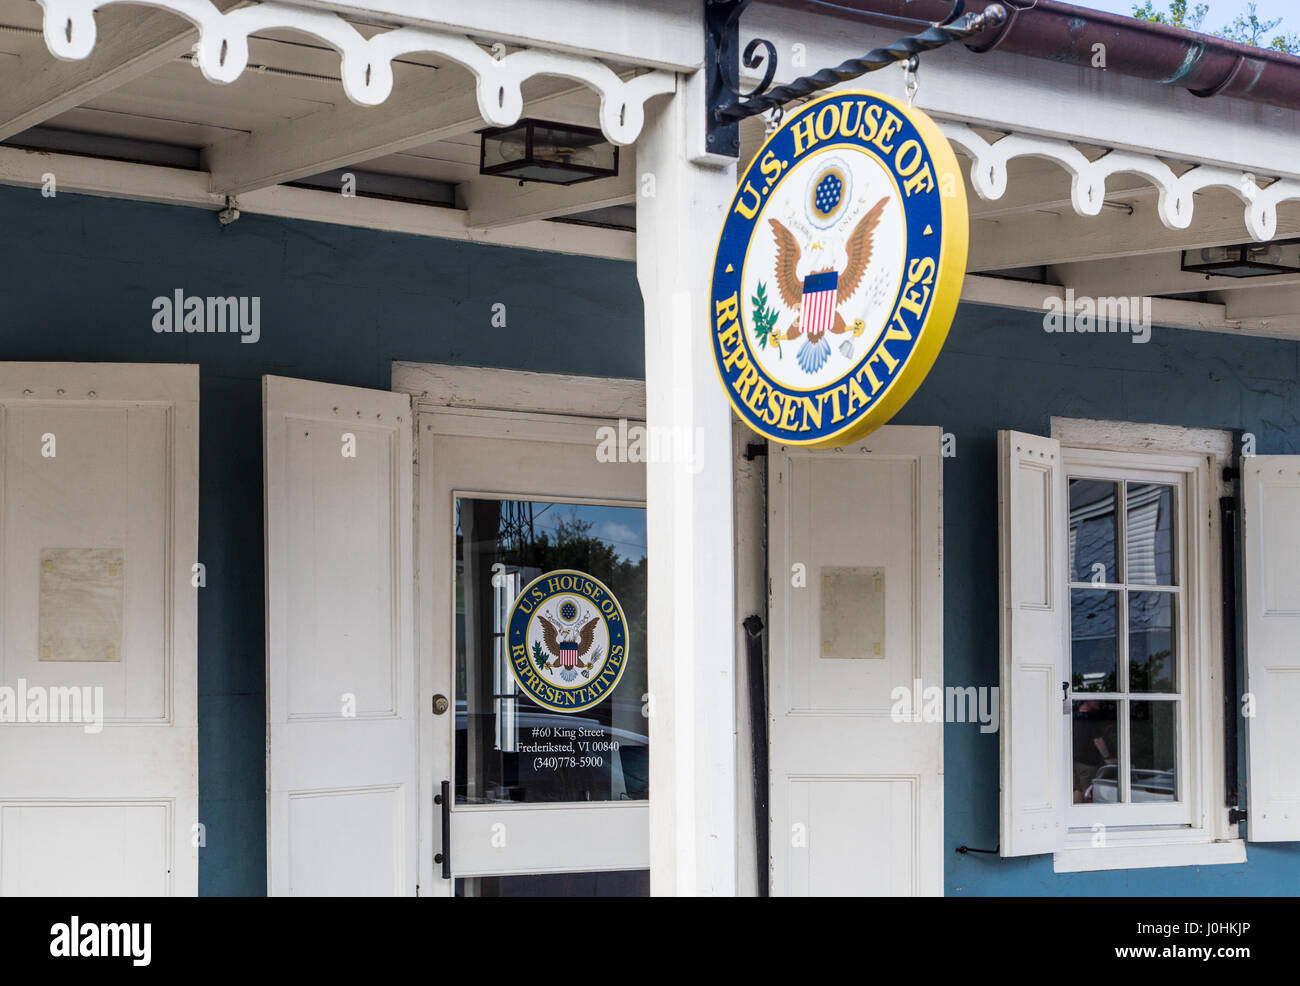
764 319
539 656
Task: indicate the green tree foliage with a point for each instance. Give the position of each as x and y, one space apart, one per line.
1246 28
574 546
1176 16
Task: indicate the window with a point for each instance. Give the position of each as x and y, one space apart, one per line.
1109 563
1128 627
1143 738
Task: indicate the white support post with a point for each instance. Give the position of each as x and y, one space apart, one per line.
680 205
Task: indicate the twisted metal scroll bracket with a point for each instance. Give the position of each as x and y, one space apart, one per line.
727 110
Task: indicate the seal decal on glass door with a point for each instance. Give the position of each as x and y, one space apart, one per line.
567 640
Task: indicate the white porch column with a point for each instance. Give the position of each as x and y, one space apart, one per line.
680 206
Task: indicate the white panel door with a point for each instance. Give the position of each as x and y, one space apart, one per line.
499 491
1271 520
340 668
98 533
857 610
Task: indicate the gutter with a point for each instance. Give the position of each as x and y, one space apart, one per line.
1061 32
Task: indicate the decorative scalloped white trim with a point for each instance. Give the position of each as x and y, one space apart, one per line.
367 74
1088 186
367 70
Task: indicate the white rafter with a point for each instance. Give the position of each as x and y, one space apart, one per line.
346 134
183 187
493 203
140 41
1088 178
366 68
1156 274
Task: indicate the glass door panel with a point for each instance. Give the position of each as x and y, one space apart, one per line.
579 639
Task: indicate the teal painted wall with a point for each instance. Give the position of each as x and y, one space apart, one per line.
77 278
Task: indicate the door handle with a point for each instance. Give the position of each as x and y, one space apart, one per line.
444 857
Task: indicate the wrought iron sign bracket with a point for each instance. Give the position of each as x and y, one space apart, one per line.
726 105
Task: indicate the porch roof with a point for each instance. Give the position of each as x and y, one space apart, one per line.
1079 178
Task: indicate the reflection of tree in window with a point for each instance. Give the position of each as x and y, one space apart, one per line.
573 545
515 541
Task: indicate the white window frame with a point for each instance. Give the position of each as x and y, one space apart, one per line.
1203 835
1133 467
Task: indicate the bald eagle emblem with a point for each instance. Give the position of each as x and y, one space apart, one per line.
817 295
565 642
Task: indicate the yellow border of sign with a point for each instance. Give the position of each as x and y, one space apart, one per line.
947 285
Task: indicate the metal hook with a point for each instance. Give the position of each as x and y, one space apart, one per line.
773 119
911 69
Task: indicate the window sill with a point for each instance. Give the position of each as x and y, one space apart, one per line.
1134 856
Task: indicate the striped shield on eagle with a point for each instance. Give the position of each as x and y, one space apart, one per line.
817 297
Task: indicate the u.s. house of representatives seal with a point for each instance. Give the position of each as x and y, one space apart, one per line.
838 269
568 641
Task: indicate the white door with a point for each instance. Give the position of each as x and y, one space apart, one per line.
340 668
543 797
98 533
856 611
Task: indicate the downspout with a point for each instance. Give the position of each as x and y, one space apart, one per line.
1230 547
754 626
757 674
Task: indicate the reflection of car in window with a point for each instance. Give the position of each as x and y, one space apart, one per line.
629 765
1146 785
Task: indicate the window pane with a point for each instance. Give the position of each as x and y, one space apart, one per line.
1094 640
1153 736
508 747
1092 531
1149 557
1151 660
1096 747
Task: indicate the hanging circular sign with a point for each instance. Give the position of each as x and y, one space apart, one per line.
838 269
567 640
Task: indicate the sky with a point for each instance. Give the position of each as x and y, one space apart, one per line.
1221 11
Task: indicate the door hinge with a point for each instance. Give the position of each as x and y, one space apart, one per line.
1236 815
